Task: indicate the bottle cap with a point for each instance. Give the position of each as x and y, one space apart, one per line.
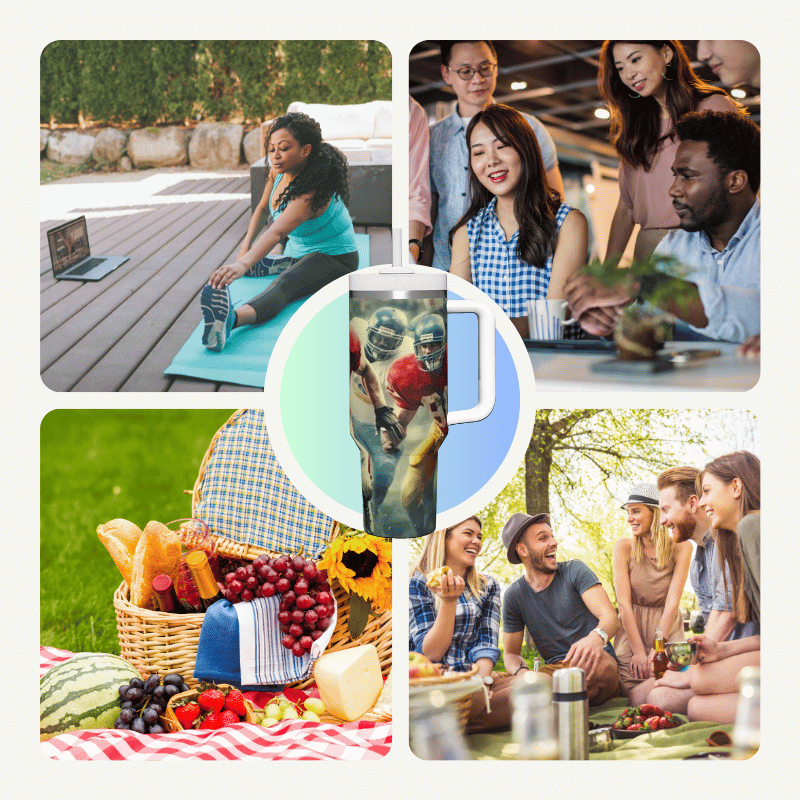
162 583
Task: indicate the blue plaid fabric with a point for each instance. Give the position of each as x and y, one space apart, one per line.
477 627
497 268
246 496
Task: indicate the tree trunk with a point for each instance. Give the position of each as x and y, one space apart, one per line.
538 460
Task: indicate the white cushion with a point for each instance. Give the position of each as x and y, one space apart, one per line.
340 122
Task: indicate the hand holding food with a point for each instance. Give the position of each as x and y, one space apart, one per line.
435 577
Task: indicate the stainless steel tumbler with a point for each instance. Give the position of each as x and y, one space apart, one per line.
398 390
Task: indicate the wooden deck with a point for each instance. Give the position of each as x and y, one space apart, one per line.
121 333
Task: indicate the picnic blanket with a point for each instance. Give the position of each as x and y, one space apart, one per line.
294 740
246 355
675 743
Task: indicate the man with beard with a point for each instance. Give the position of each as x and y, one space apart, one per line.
681 513
717 174
564 607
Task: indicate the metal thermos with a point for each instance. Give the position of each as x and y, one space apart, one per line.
746 734
435 735
532 718
571 706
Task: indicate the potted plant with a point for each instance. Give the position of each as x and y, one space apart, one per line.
643 327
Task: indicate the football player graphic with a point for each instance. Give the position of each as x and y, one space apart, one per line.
420 379
374 425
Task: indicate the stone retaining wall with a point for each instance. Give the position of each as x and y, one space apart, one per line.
211 145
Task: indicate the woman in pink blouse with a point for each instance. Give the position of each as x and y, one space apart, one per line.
648 86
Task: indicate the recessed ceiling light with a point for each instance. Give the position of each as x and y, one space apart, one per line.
740 93
518 86
602 113
590 188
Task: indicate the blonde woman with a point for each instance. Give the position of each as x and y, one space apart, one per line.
454 619
650 571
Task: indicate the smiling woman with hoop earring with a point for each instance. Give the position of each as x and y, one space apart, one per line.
454 617
648 86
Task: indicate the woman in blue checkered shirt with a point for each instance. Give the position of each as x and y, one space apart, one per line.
517 241
454 616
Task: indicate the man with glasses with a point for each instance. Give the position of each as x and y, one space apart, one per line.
470 68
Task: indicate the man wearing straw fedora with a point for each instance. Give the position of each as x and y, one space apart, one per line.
564 607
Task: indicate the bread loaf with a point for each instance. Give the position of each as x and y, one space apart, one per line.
120 538
158 552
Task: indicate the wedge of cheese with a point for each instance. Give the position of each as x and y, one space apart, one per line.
349 681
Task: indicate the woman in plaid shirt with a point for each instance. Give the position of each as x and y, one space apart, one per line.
454 618
517 241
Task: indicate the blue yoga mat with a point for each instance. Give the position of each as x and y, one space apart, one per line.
246 355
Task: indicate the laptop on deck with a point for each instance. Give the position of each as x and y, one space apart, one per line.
71 257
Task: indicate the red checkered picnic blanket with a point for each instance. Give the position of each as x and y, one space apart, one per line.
292 740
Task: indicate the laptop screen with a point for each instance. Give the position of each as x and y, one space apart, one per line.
69 244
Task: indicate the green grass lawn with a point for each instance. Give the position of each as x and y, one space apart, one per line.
99 465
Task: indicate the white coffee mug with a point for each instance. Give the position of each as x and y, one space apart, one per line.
548 318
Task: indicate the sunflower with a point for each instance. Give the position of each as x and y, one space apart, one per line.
363 565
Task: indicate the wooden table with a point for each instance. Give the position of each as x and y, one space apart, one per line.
176 226
568 371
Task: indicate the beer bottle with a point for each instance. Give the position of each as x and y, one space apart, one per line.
207 587
660 659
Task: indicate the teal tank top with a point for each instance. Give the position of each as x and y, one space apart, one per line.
331 232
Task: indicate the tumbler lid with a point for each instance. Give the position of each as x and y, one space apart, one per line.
377 282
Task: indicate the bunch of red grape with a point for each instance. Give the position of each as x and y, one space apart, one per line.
307 604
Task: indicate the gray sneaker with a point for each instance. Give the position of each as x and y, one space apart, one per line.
270 266
218 315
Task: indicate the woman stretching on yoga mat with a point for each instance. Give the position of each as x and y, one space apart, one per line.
306 195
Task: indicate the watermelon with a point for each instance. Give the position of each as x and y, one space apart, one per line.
82 693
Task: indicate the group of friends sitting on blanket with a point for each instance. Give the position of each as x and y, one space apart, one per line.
689 177
570 617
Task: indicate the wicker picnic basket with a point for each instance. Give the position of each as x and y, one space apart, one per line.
462 704
155 642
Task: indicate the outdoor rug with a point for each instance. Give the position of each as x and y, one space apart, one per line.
246 355
688 740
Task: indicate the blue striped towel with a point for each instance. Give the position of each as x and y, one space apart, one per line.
241 645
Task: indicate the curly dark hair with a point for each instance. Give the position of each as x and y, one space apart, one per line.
535 203
325 170
636 121
734 141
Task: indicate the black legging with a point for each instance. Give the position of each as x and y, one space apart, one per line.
309 274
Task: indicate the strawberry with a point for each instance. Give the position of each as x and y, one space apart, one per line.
649 710
653 722
211 700
211 720
666 722
235 702
187 714
228 717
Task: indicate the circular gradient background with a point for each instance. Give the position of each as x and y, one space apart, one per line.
307 411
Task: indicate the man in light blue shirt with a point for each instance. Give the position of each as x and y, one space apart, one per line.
717 171
682 514
470 68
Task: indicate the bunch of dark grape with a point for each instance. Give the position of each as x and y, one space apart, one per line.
143 702
306 606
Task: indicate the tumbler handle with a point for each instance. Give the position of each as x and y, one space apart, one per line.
486 366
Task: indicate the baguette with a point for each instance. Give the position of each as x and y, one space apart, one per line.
120 538
157 552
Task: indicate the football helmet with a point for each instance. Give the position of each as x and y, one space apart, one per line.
385 331
428 333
